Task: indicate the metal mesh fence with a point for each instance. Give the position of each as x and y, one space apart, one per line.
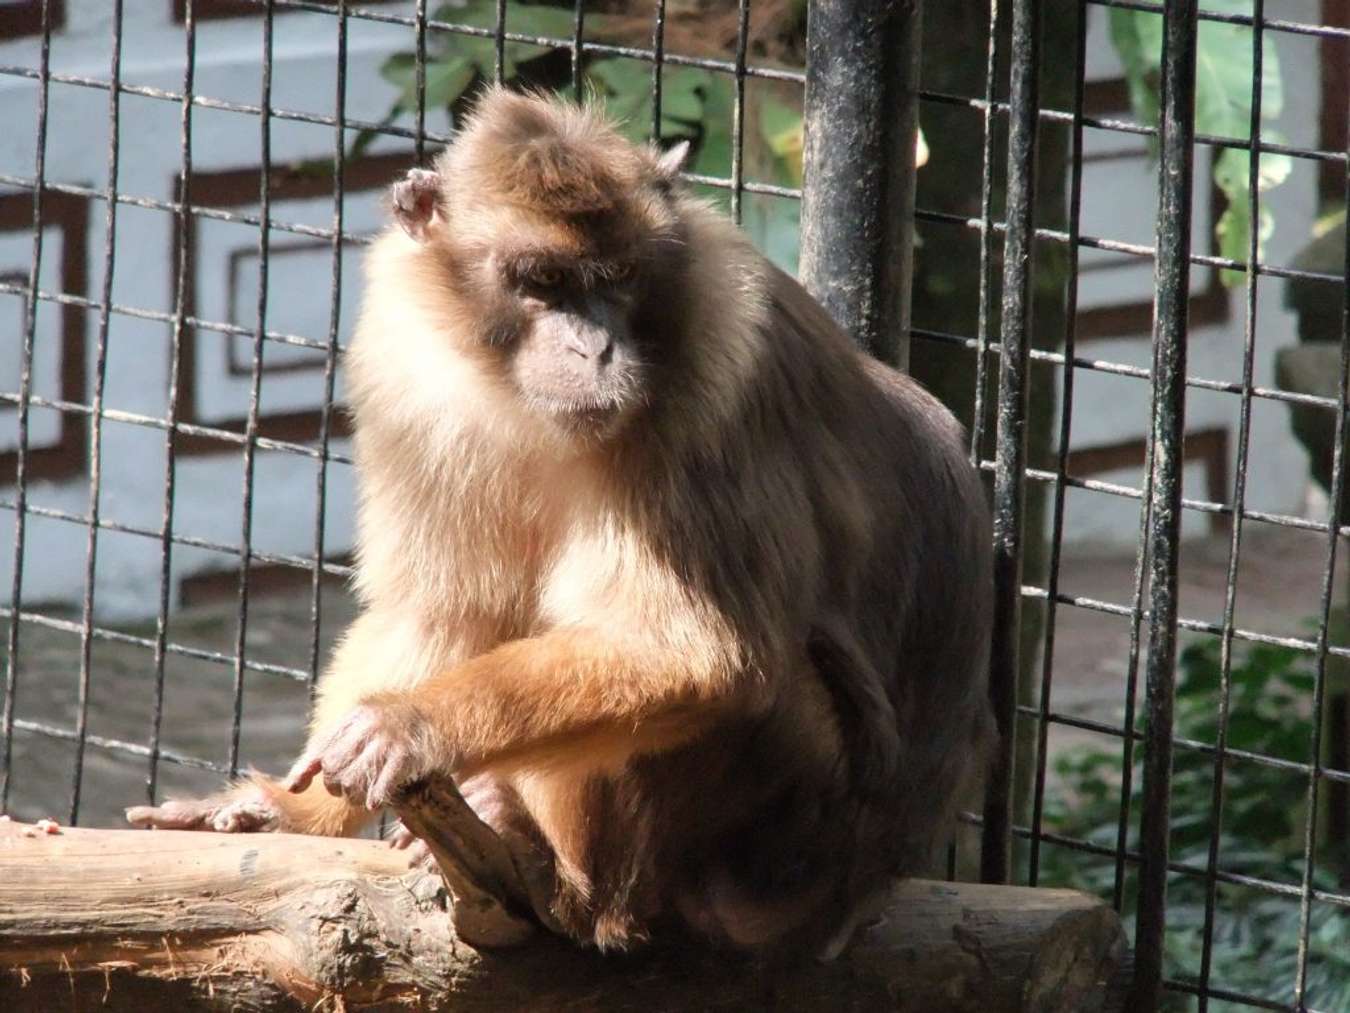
1011 363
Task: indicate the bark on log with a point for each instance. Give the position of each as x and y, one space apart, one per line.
123 919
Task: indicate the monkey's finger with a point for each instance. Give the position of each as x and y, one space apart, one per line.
169 816
391 776
349 776
350 739
302 774
358 775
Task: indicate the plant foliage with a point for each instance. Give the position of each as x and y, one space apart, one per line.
1225 75
1262 833
696 104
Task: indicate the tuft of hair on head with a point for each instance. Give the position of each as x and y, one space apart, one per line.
548 154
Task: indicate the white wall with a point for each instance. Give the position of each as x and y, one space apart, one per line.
209 498
1110 409
228 67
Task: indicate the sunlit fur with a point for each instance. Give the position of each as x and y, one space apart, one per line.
723 654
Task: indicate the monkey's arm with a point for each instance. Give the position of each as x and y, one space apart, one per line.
564 691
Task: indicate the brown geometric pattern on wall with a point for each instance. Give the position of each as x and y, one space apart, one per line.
204 10
24 17
1207 446
64 454
239 189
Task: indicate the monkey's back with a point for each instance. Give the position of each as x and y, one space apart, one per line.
907 607
841 527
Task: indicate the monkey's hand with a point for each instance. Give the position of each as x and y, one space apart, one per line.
246 810
376 749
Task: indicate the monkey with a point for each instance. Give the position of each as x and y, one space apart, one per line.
682 588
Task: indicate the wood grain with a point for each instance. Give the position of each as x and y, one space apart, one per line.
124 919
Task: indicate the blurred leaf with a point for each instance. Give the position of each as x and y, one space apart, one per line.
781 126
1137 38
627 87
446 79
1255 933
713 157
1231 169
1225 69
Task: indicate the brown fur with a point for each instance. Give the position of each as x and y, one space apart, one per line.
709 619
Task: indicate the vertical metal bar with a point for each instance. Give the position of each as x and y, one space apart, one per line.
1239 500
330 358
499 43
1065 435
171 411
986 240
1132 682
1011 436
96 413
255 388
658 61
1328 583
25 392
861 117
986 281
578 27
1172 280
738 113
420 70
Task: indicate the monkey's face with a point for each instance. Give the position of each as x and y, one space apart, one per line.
557 234
570 347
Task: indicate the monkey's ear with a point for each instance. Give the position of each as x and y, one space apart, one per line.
416 201
671 162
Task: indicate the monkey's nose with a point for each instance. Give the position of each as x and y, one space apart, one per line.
598 347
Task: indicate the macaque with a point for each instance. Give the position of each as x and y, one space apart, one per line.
680 586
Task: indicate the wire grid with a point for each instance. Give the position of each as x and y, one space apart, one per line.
1159 524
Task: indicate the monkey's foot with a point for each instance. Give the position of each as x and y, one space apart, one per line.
231 814
419 855
375 750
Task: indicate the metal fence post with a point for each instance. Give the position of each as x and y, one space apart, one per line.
1172 263
1011 435
861 119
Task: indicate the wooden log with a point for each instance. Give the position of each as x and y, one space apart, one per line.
124 919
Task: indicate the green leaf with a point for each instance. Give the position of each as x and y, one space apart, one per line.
1224 72
447 80
627 87
1137 37
1225 68
398 70
1231 170
714 150
682 91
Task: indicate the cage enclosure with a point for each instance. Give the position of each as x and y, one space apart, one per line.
1108 234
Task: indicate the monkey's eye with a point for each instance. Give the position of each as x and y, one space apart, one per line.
546 277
